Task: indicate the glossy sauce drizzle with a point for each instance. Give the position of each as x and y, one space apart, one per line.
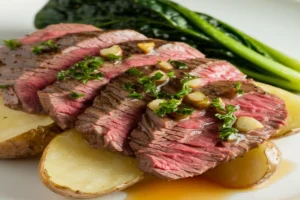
185 189
285 168
193 188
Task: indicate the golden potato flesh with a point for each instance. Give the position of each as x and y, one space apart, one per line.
71 168
22 134
292 102
255 167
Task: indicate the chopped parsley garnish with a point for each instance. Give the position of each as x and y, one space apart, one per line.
135 95
75 95
44 47
149 84
113 57
177 64
128 87
83 71
168 107
171 74
238 89
150 88
227 117
218 103
184 91
188 77
134 72
163 95
4 86
157 76
172 106
186 111
12 44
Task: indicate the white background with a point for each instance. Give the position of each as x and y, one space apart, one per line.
276 22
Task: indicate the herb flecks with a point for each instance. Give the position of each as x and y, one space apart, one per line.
149 84
177 64
228 118
135 95
168 107
131 88
76 95
12 44
185 111
184 91
218 104
45 47
171 74
173 106
238 89
134 72
113 58
188 77
83 71
4 86
128 87
157 76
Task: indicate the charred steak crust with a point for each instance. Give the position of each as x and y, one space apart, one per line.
27 73
64 111
179 149
112 117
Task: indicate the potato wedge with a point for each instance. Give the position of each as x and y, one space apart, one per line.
293 107
254 168
23 135
71 168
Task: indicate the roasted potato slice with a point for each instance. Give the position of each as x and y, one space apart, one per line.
23 135
71 168
293 107
254 168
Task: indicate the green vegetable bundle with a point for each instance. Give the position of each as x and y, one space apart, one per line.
168 20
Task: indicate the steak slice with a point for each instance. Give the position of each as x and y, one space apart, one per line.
25 73
64 110
113 115
48 33
56 31
180 149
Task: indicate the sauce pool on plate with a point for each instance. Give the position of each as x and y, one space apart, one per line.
193 188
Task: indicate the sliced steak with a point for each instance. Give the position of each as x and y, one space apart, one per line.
64 110
180 149
25 73
113 115
56 31
48 33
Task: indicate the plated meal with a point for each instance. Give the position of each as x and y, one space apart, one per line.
112 100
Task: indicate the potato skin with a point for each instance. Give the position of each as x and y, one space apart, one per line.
287 134
253 169
29 143
292 104
68 192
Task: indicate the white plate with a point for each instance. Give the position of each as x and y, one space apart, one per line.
275 22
